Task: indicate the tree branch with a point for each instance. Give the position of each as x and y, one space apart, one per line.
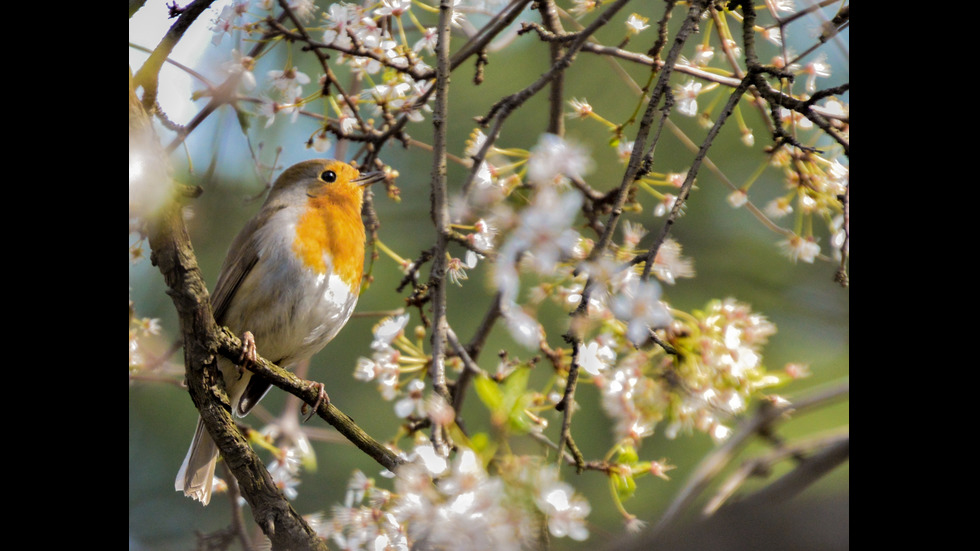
173 255
230 346
762 421
440 210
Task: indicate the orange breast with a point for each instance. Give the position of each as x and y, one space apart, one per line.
332 225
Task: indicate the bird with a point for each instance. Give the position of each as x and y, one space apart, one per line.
288 284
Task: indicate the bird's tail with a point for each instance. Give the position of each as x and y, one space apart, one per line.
196 475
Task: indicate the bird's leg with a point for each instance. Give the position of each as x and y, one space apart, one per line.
320 399
249 355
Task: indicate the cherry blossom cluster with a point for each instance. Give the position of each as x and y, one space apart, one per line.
654 367
384 44
440 502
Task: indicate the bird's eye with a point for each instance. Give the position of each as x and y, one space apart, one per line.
329 176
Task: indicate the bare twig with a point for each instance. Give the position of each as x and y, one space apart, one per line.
440 209
815 456
713 463
503 108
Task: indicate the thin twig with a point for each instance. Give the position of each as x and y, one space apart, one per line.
503 108
813 455
148 75
713 463
225 93
440 209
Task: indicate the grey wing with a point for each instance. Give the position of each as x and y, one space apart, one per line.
241 258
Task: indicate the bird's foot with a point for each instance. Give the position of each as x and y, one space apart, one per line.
249 355
321 398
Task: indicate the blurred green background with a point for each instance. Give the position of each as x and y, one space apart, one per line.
733 254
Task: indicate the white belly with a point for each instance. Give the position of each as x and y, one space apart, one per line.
291 310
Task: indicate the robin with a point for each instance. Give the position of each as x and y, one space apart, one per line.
288 285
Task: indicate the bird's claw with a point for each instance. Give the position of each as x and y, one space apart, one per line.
249 355
321 398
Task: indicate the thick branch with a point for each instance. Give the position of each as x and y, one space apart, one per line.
173 255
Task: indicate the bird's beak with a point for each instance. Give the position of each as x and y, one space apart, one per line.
368 178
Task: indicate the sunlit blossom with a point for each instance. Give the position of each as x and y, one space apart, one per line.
582 7
669 264
773 35
624 150
797 370
814 69
439 411
394 8
227 20
242 66
665 205
339 18
737 198
703 54
566 510
523 328
778 208
434 462
284 470
320 142
456 269
289 82
580 108
427 42
269 109
640 307
554 158
632 234
731 46
686 96
636 23
388 329
412 402
800 248
595 358
542 238
304 9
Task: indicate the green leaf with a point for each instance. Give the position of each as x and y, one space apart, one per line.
244 120
517 399
507 400
489 392
623 484
627 455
